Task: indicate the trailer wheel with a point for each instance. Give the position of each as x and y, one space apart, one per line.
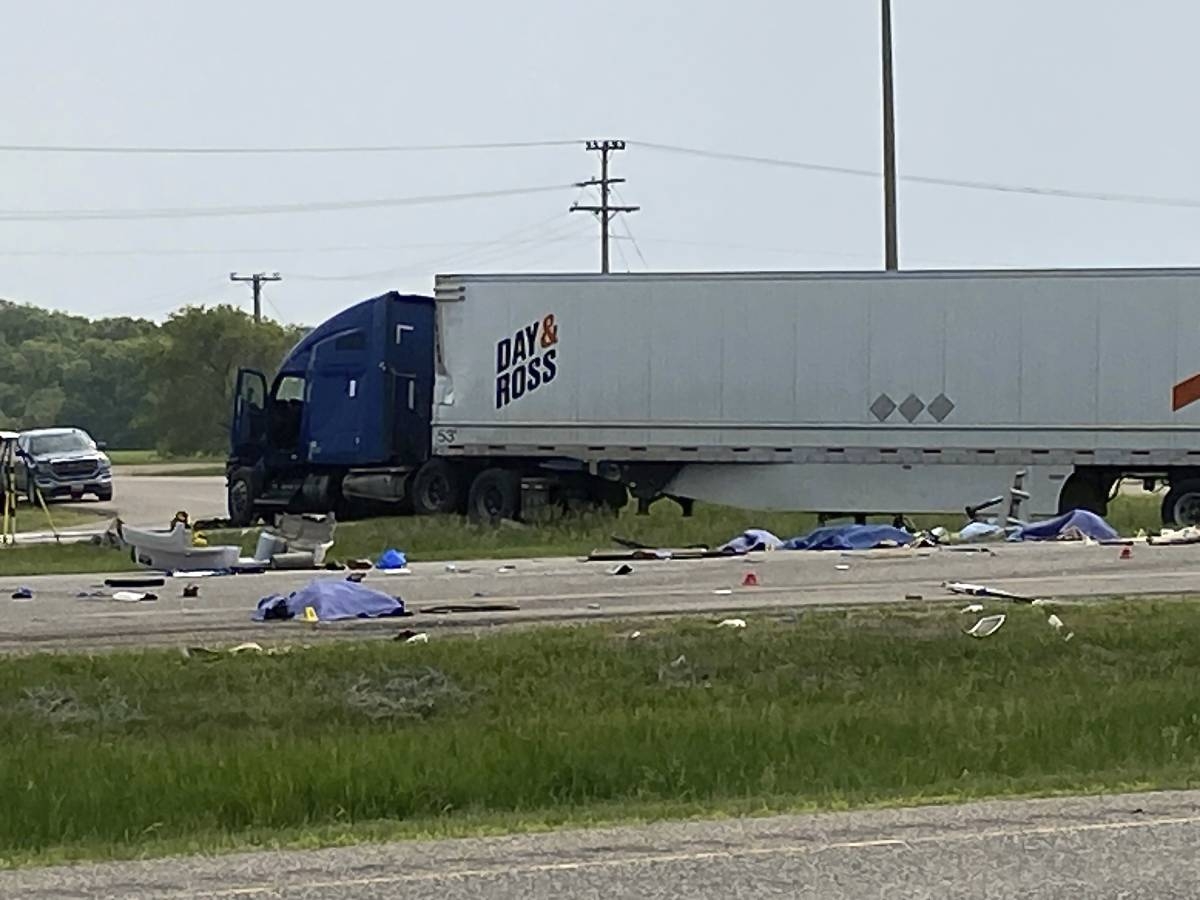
1181 506
495 494
436 489
1080 492
240 498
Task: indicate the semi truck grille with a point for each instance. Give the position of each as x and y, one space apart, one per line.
81 468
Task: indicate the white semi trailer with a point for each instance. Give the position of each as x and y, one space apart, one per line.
846 392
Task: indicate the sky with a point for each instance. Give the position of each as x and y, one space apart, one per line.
1095 96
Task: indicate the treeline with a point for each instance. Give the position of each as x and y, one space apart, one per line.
131 382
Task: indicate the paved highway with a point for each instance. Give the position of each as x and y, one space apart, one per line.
1129 846
554 590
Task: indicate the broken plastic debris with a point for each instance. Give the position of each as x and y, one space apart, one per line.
622 569
987 626
419 638
133 596
23 593
972 608
721 592
634 635
842 567
356 577
248 647
503 569
1054 622
979 590
678 661
191 590
593 606
732 623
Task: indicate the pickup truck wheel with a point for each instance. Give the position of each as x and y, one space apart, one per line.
1181 506
495 494
104 495
436 489
241 498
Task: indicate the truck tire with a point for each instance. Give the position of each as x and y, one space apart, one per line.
240 498
436 489
1081 492
1181 506
495 494
105 495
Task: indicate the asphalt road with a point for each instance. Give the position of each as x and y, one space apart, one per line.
558 590
1129 846
153 500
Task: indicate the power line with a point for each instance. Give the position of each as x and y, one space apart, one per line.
629 234
969 184
262 151
81 215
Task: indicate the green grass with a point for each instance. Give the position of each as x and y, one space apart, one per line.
126 754
144 457
33 518
67 558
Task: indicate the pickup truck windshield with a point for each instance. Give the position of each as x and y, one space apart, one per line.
58 443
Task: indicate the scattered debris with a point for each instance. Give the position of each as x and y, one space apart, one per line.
134 596
678 661
914 597
404 634
248 647
1169 538
451 608
593 606
972 608
91 595
634 635
134 582
175 550
356 577
23 593
723 592
191 591
970 549
842 567
979 590
987 626
1054 622
750 580
622 569
507 568
732 623
360 564
419 638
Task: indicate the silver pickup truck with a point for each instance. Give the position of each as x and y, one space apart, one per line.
62 462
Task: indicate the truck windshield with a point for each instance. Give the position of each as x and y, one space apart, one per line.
59 443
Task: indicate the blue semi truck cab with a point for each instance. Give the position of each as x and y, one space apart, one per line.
345 425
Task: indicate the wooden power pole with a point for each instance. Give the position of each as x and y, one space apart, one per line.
256 282
605 211
890 249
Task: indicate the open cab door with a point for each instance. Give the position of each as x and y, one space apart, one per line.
249 432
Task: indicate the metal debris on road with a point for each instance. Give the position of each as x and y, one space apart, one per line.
987 626
979 590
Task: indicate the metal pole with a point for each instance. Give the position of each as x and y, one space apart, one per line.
604 209
891 252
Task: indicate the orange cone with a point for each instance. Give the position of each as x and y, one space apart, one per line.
751 580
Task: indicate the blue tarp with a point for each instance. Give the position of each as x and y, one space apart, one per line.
751 540
331 599
849 537
392 559
1078 521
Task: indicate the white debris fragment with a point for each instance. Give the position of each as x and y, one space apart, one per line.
732 623
419 638
634 635
248 647
972 608
987 626
678 661
1054 622
842 568
722 592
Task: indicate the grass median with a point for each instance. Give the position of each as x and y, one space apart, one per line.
452 538
152 753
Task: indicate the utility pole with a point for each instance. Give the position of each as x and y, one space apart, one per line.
890 251
605 211
256 282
